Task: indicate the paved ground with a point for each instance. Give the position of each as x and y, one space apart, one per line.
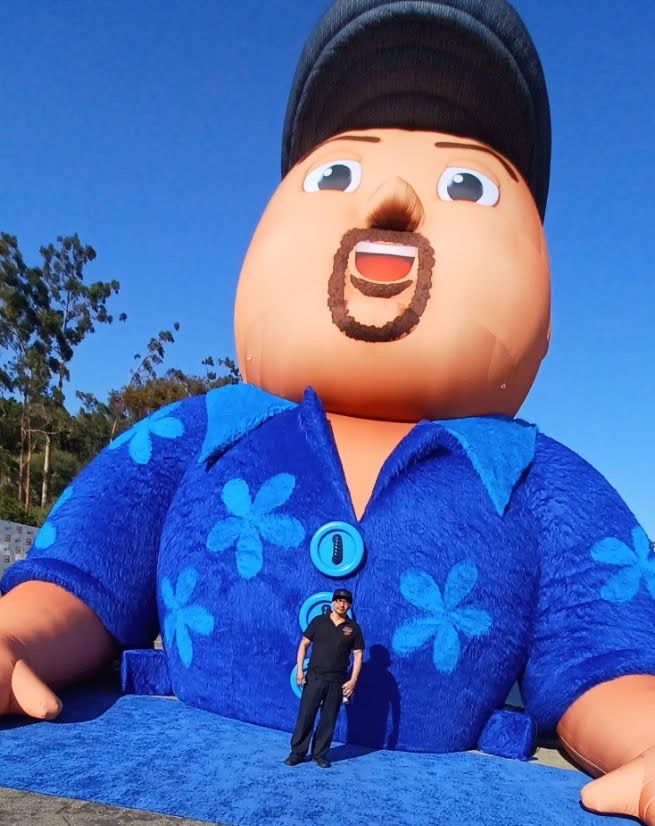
20 808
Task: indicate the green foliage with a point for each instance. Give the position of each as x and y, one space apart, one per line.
133 403
146 369
12 510
45 313
231 377
147 391
90 431
64 467
10 416
74 305
25 335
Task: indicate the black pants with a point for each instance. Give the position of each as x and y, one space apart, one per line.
316 694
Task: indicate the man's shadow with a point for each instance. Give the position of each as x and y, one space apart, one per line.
373 714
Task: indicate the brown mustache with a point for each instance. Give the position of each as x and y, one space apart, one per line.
403 323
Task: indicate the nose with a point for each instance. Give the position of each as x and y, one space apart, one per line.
395 205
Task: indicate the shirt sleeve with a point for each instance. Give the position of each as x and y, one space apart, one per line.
101 539
358 642
595 607
310 632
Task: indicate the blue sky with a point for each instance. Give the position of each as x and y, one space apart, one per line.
152 128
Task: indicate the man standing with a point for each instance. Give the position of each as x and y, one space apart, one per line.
332 637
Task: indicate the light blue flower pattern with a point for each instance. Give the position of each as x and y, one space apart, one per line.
636 565
182 617
161 424
251 521
445 618
48 533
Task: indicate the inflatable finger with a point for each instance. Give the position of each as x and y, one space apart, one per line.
31 696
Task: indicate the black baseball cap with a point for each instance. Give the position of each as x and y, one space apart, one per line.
464 67
343 593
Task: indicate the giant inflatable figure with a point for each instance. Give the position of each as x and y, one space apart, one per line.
391 315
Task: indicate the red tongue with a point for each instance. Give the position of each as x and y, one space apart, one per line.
381 267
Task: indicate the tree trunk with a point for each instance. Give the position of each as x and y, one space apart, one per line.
21 455
46 470
20 467
28 463
64 324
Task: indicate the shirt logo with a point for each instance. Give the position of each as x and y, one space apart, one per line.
347 630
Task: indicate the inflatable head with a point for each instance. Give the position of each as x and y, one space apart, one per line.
400 268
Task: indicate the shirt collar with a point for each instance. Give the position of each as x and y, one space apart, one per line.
499 448
233 411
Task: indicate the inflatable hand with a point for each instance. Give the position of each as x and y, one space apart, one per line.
21 691
610 731
48 637
628 790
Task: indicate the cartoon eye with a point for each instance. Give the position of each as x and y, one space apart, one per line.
343 176
457 184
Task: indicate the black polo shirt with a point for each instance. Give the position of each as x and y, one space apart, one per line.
331 647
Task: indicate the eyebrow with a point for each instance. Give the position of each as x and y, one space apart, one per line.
365 138
457 145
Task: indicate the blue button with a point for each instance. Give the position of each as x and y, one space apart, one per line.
314 606
337 549
297 690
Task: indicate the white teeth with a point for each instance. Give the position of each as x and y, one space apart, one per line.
380 248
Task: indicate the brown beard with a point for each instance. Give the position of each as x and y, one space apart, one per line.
402 324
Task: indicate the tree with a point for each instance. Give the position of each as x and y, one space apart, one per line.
74 305
10 418
145 373
26 340
90 430
233 375
49 420
137 402
147 391
44 314
74 308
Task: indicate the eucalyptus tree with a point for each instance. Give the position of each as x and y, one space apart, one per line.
45 313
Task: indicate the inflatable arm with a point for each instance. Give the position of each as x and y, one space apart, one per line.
89 581
47 636
593 651
594 612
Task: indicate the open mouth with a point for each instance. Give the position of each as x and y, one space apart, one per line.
383 265
384 262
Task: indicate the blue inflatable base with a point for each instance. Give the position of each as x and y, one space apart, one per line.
157 754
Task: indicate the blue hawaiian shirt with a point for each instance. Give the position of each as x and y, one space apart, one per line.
488 553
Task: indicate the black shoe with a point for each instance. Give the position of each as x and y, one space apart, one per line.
294 760
321 762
